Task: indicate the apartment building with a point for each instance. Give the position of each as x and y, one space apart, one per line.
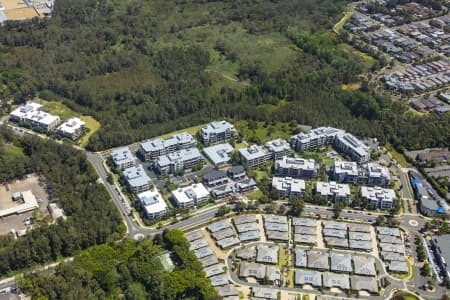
32 113
219 154
288 186
342 141
254 156
72 128
350 145
122 158
346 171
316 138
296 167
217 132
152 149
180 160
370 173
153 204
377 174
136 179
333 191
190 196
379 197
278 148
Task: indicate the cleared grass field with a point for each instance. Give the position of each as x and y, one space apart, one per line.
367 60
400 158
58 108
263 134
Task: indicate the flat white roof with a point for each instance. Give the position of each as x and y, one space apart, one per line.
71 125
332 188
152 201
23 110
253 152
346 167
30 203
296 163
219 154
190 193
378 193
288 184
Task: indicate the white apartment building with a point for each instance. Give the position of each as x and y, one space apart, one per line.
350 145
153 204
288 186
296 167
183 159
136 179
379 197
377 174
254 156
346 171
190 196
32 114
72 128
122 158
278 148
338 138
333 191
151 149
316 138
217 132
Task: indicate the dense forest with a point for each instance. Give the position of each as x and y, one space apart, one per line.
147 67
92 217
126 270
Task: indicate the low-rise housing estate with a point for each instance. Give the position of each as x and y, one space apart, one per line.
267 253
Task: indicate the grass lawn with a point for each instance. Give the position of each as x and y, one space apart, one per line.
14 150
338 27
61 110
93 126
351 86
256 195
366 59
282 261
262 134
404 296
400 158
320 157
192 130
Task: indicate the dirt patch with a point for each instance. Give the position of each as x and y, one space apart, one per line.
217 251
